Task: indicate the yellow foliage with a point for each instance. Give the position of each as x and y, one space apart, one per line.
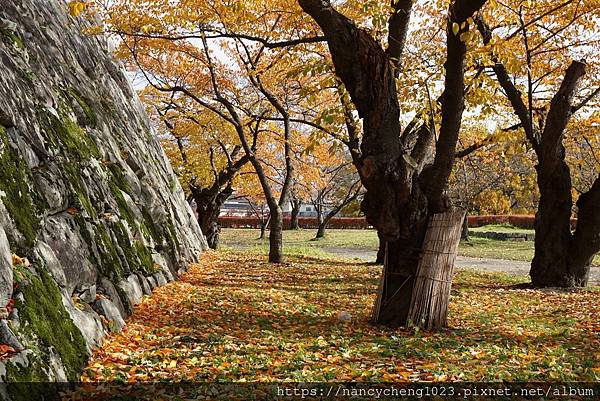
493 202
77 7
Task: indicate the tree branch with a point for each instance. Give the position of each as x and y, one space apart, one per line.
398 29
453 102
585 101
512 93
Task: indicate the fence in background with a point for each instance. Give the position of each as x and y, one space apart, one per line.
357 223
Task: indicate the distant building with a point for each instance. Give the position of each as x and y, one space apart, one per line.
241 207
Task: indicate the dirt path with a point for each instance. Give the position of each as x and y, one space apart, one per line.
512 267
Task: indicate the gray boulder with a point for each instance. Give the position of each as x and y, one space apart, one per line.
108 309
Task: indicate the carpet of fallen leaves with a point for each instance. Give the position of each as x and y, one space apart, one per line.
233 317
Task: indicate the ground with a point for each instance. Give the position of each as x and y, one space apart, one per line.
234 317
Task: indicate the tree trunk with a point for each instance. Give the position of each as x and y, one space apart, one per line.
380 251
294 224
464 235
320 221
429 303
586 240
561 258
321 230
276 236
553 228
208 207
263 226
400 267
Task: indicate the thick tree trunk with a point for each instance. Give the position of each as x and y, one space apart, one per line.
553 228
586 240
208 207
400 267
561 258
294 224
276 236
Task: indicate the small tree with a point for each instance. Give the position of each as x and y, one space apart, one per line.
205 163
335 184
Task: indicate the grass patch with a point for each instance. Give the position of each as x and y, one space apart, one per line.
502 228
494 249
357 239
240 238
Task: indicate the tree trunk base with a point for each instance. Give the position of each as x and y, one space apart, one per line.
420 297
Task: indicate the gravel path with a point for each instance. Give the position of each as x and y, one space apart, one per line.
512 267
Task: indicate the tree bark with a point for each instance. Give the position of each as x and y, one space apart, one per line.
294 224
586 240
554 263
208 207
276 236
465 229
263 226
323 222
321 229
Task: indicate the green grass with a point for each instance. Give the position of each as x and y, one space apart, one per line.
351 239
494 249
502 228
298 242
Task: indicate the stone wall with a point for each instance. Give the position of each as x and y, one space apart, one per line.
92 216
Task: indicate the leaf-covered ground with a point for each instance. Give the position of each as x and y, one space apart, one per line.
233 317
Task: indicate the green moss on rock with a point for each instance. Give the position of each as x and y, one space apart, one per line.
21 381
44 317
145 256
88 111
64 132
149 226
78 187
174 239
22 204
137 254
124 209
110 263
12 38
118 178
